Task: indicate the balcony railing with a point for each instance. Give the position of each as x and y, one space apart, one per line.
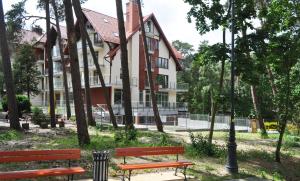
175 86
113 81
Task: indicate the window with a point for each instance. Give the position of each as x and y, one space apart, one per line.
96 38
162 81
148 28
162 98
162 63
121 73
118 98
141 95
152 44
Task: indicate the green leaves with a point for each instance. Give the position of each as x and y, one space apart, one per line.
26 74
15 21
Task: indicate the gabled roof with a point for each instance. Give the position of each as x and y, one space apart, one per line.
63 31
30 37
106 26
177 53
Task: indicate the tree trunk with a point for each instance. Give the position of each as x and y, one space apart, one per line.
8 78
283 123
257 110
215 103
125 71
82 131
79 15
63 61
271 80
158 122
50 67
253 92
88 102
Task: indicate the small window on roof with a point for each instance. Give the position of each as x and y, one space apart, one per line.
116 34
105 20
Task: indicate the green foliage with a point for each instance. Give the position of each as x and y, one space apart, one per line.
125 136
26 74
38 116
291 141
9 135
201 147
15 21
24 105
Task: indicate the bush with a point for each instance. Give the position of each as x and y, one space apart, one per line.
24 105
38 116
125 136
200 146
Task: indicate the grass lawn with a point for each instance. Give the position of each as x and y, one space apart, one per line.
255 155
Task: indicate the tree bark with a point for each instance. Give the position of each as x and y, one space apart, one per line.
63 61
215 103
253 91
8 78
271 80
125 72
50 67
257 110
82 131
88 102
283 123
158 122
79 15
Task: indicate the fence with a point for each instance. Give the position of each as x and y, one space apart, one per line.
183 122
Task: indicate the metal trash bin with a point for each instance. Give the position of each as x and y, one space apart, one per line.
101 161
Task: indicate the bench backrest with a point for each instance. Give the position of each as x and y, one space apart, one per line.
148 151
39 155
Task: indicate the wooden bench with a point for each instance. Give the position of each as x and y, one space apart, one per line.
40 155
151 151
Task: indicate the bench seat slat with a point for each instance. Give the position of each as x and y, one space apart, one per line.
39 155
144 151
153 165
38 152
40 173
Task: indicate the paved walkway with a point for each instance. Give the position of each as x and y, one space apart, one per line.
159 176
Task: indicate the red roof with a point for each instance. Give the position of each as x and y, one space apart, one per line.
106 26
63 31
30 37
177 53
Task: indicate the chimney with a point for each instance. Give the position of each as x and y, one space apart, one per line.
132 15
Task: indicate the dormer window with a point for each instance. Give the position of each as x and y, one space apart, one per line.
116 34
97 38
105 20
148 28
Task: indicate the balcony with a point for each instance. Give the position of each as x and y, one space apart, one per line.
178 87
145 108
113 81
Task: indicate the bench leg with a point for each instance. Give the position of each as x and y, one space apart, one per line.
123 176
129 175
184 173
176 171
72 177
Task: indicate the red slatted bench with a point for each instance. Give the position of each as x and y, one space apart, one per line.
40 155
151 151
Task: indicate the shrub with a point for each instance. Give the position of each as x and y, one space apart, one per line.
200 146
122 136
38 116
24 105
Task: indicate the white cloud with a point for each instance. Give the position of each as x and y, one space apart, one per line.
170 14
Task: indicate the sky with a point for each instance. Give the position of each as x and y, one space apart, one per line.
172 17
